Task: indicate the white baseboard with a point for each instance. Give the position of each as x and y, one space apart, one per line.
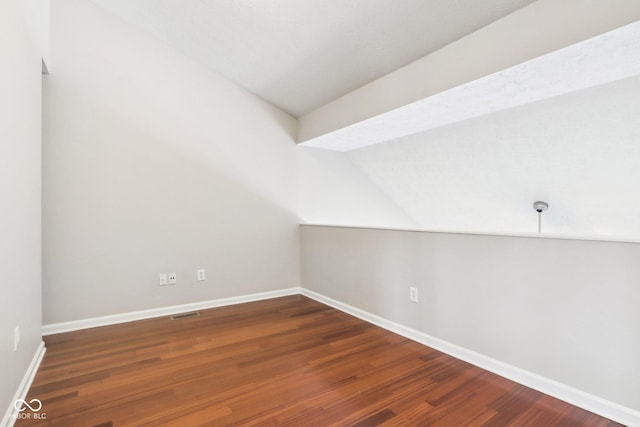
94 322
587 401
9 417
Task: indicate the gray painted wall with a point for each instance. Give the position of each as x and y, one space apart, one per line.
20 250
154 164
563 309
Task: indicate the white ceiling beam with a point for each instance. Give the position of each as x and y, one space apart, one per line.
535 30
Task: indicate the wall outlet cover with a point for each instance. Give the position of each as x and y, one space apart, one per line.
413 294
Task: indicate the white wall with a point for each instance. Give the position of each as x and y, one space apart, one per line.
20 249
563 309
578 152
39 13
331 190
154 164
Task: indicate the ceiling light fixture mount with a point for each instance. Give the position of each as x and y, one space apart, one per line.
540 207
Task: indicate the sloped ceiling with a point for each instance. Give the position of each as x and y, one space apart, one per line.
605 58
578 152
301 54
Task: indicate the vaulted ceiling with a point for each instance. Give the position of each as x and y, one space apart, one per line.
299 55
455 115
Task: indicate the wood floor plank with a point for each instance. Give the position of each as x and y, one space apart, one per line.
287 361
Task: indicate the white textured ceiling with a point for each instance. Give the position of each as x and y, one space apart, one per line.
301 54
578 152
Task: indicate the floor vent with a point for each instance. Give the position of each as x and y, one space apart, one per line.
185 315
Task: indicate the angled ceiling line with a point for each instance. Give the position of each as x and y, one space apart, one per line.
608 57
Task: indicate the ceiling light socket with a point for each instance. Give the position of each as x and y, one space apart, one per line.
540 206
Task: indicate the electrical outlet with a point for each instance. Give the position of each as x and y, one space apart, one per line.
172 278
413 294
163 279
201 275
16 338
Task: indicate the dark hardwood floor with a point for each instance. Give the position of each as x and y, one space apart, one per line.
286 361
